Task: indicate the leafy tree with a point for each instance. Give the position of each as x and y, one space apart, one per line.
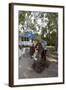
53 25
44 21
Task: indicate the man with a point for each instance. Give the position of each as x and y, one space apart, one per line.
44 45
32 50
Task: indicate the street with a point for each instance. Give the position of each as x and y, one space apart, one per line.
26 70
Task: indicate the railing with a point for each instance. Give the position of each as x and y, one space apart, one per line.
25 43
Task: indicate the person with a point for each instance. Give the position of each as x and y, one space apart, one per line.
38 64
23 51
35 54
32 50
44 45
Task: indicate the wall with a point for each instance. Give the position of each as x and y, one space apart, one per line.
4 43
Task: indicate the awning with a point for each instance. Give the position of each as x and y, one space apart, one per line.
27 35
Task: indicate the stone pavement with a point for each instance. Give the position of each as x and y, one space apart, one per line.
26 70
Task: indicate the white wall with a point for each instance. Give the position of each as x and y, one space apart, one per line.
4 24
